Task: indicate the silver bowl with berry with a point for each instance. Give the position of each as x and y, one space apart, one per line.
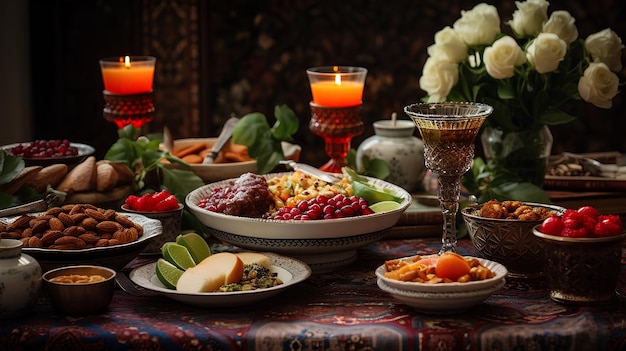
506 239
324 244
47 152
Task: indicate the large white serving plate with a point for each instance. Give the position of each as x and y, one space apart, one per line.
115 257
289 270
455 287
323 244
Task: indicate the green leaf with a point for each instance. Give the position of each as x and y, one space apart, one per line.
286 123
11 167
249 128
152 159
180 182
555 117
263 142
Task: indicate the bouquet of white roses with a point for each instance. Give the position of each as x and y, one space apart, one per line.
526 77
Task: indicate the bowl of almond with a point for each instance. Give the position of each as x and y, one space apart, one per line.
81 234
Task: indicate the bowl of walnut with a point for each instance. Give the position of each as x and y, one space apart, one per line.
81 234
503 232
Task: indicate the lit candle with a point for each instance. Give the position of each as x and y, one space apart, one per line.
337 86
128 75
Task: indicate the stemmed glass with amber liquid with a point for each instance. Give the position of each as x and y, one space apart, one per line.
448 130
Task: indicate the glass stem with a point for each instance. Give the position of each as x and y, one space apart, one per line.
449 189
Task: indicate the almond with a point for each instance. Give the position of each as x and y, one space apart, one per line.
50 236
65 219
108 226
34 241
71 241
20 223
89 238
74 230
95 214
55 224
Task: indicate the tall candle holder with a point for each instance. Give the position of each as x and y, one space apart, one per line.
337 125
128 94
135 109
335 110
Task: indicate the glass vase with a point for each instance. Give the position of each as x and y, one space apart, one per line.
523 154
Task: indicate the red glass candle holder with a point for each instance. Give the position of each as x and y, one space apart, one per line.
337 125
135 109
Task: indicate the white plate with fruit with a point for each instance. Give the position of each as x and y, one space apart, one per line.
325 244
189 273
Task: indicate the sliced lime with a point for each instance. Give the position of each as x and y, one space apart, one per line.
195 243
178 255
372 194
168 273
384 206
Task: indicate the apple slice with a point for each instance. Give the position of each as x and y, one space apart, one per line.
213 272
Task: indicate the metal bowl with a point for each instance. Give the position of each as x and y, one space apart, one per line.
84 151
582 271
508 241
80 298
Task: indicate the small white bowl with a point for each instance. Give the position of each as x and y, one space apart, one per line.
455 287
441 302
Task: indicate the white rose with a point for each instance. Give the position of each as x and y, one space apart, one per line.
502 57
529 17
479 26
562 24
546 52
438 78
448 46
606 46
598 85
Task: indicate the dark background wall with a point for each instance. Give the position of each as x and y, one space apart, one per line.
221 58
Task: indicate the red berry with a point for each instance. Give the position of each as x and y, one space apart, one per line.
552 225
170 203
574 233
608 225
589 211
131 202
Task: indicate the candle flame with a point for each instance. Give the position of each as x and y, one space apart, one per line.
338 79
127 61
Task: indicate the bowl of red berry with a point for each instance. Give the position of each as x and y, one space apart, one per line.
159 205
46 152
298 215
582 255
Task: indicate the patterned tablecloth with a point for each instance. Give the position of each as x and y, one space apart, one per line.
342 310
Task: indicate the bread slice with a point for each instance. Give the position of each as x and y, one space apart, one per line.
16 183
106 177
49 175
211 273
125 175
254 257
80 178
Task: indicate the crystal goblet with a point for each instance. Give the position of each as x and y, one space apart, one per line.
448 130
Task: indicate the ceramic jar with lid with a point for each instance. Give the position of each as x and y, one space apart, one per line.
395 144
20 279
